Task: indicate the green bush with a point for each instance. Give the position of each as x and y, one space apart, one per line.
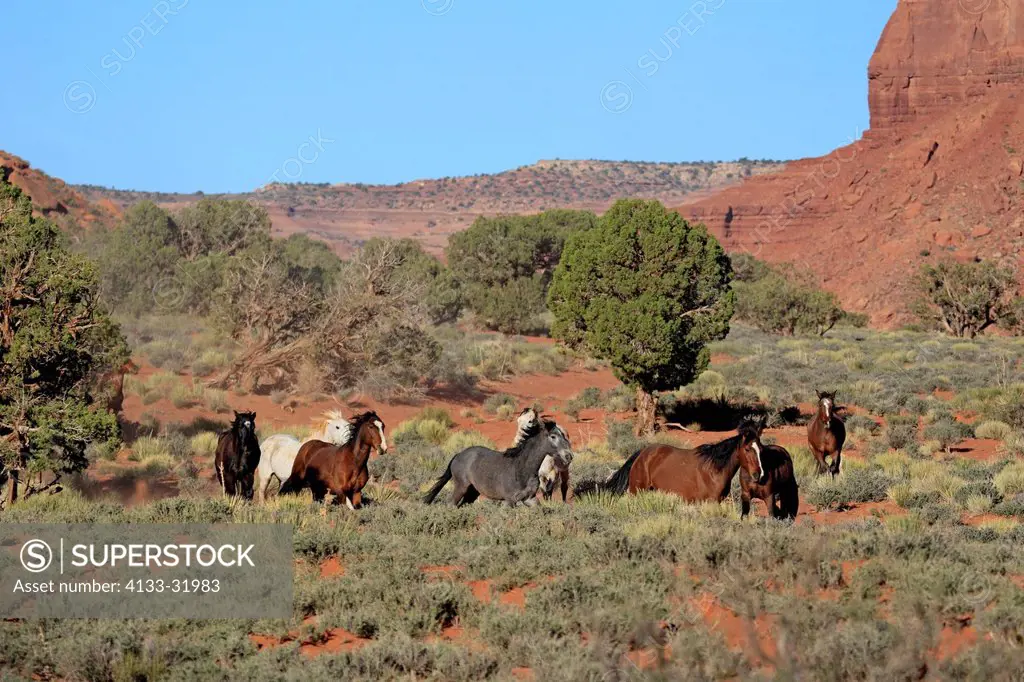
778 300
948 432
900 435
964 299
495 402
855 485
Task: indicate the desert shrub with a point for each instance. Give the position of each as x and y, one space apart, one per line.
204 444
620 399
859 422
780 301
948 432
900 434
188 395
432 431
506 412
209 361
496 401
963 299
460 440
995 430
864 485
217 400
146 447
1010 480
1014 444
978 504
622 440
437 414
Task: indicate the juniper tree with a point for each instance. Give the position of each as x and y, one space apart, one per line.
56 341
647 292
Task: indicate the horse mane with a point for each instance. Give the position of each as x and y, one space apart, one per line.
328 417
518 448
524 434
719 453
360 420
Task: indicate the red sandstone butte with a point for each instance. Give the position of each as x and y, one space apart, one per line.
943 156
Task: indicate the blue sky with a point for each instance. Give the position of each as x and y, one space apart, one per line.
183 95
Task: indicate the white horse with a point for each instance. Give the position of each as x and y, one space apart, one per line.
550 469
277 453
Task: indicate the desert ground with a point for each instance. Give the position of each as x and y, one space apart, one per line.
908 565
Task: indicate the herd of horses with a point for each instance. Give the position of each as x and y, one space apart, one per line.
335 461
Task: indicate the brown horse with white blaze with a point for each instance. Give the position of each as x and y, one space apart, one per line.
699 474
338 469
826 435
778 488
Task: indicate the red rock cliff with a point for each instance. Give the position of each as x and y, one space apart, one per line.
940 174
936 54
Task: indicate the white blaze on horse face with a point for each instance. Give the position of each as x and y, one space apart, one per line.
827 404
383 440
760 467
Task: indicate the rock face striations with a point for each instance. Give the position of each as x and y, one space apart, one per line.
939 174
937 55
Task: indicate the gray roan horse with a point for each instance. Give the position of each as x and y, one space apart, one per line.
510 476
528 424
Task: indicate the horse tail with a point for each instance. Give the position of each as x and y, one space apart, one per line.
441 482
619 483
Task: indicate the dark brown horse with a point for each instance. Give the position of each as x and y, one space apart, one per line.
778 488
826 435
238 455
338 469
697 475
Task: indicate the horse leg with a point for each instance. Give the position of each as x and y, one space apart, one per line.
773 509
471 495
459 492
357 500
744 505
565 484
348 502
820 457
319 490
837 463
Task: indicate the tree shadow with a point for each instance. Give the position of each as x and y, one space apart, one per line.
712 414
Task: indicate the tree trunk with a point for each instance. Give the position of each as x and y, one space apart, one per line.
646 412
12 488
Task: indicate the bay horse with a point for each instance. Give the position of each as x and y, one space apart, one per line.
338 469
778 488
551 472
238 455
510 476
699 474
826 434
278 452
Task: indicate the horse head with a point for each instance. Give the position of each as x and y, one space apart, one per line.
826 405
335 429
244 426
751 448
557 443
369 428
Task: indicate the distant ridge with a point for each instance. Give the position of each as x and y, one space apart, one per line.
347 214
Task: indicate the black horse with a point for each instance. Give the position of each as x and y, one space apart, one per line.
238 455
